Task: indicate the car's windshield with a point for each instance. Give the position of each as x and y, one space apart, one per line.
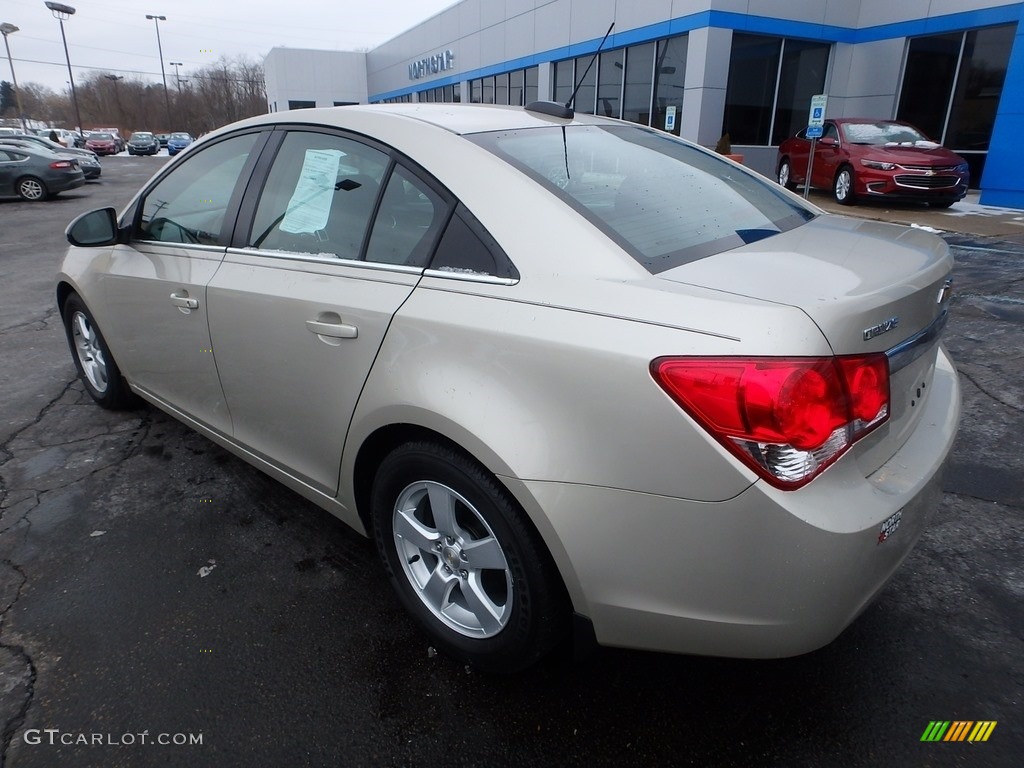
101 136
180 136
142 135
881 133
664 201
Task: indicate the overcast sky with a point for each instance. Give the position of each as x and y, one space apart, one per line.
115 36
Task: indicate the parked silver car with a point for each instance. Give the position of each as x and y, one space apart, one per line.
555 365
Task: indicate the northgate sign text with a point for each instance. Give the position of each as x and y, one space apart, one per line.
431 65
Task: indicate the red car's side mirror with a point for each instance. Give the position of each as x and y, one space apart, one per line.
828 141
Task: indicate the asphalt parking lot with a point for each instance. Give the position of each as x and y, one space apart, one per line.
152 586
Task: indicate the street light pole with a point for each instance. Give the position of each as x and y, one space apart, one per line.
62 12
177 77
117 98
9 29
163 73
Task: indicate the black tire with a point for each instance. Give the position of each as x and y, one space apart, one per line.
785 175
95 364
940 203
498 601
32 189
842 187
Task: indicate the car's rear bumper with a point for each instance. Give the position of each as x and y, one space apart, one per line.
56 184
768 573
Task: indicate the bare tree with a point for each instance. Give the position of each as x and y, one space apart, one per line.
221 93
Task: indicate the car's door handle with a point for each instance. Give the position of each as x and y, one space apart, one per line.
184 302
336 330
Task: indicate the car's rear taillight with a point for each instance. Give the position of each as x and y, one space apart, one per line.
58 164
786 418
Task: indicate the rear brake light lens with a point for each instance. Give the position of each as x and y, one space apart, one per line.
786 418
62 164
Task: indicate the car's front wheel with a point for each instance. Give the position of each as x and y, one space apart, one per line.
786 175
32 189
92 357
464 559
842 188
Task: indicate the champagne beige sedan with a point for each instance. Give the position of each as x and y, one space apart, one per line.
571 374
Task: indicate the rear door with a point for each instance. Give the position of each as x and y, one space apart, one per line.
298 310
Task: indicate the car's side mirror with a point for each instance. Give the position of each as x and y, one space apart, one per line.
94 229
827 141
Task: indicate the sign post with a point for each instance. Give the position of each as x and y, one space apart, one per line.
815 127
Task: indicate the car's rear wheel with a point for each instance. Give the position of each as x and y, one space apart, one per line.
95 364
464 559
842 188
786 175
32 189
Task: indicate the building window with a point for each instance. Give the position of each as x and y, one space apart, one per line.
516 86
636 94
293 104
564 80
609 83
642 83
531 86
766 101
804 65
501 88
951 88
669 76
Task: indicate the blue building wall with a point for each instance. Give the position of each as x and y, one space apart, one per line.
1003 180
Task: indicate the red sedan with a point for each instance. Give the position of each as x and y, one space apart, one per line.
102 144
863 158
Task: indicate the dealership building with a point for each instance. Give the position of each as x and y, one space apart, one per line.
704 68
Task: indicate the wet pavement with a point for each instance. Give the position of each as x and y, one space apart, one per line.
153 587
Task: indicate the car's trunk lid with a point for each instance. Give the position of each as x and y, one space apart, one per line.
868 286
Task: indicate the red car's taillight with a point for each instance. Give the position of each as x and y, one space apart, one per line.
786 418
62 164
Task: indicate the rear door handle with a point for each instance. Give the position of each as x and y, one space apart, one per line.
184 302
335 330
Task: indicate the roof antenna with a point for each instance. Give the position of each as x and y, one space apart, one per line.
566 110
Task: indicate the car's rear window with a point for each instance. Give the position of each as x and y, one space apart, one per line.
665 202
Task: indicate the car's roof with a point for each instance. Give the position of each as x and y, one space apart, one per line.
456 118
29 149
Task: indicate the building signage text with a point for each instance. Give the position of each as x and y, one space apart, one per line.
431 65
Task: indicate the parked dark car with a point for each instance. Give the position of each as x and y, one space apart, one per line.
102 144
87 160
177 142
859 158
143 143
163 138
36 174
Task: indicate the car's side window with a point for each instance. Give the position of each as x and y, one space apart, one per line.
7 156
319 197
410 217
466 248
831 132
188 205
